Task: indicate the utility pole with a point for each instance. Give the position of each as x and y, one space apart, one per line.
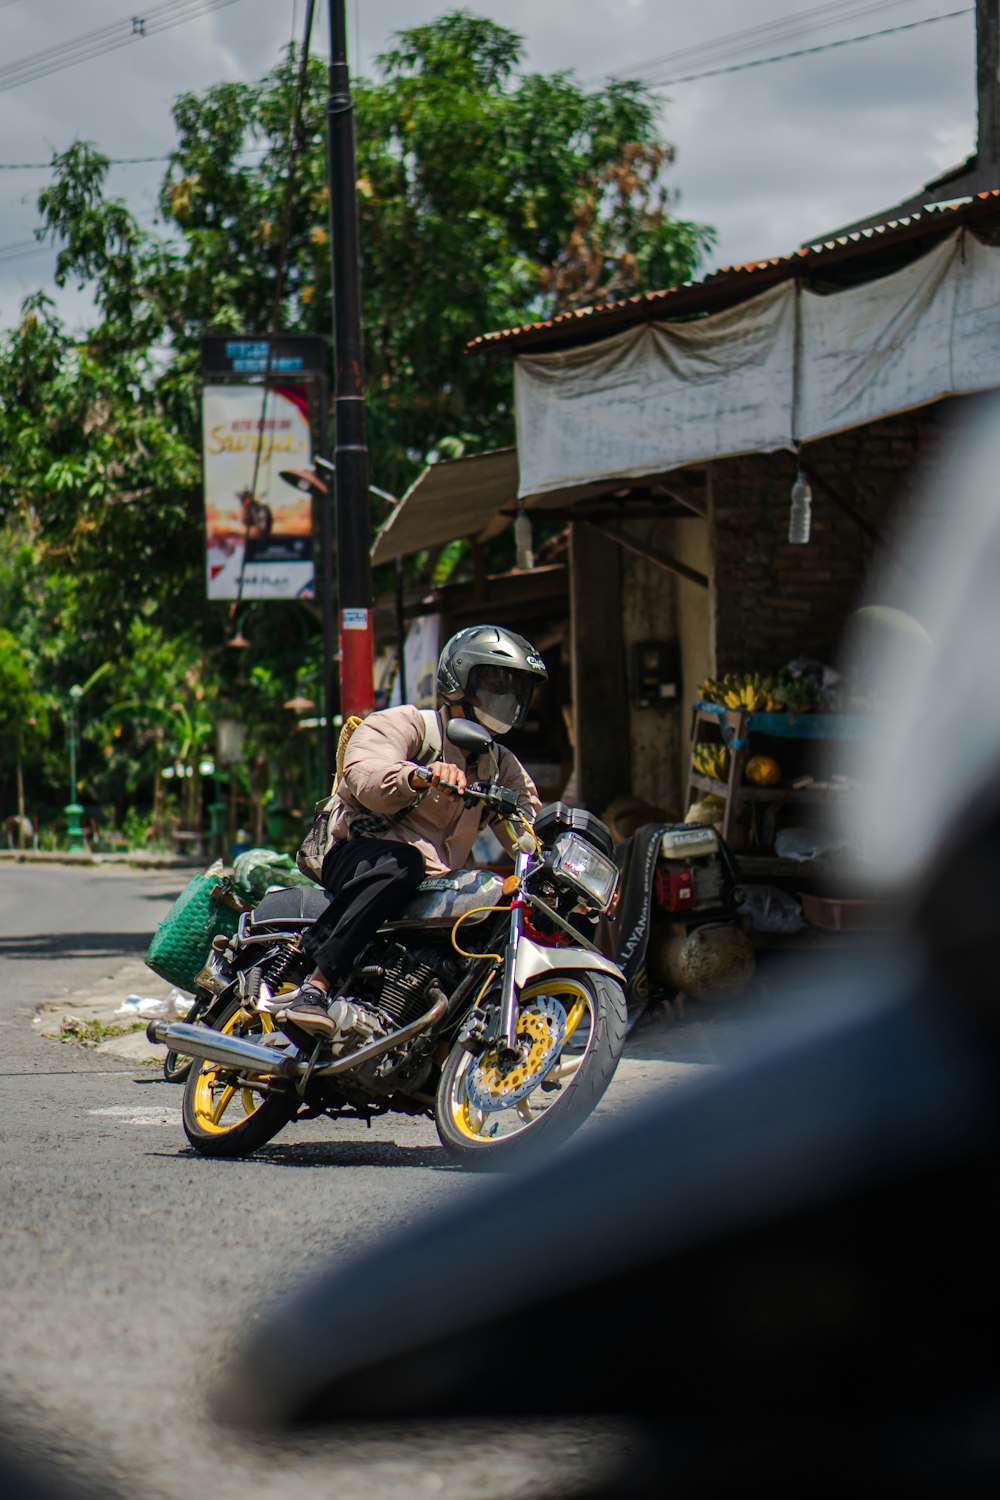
321 495
988 93
354 578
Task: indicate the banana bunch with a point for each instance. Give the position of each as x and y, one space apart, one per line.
748 690
711 760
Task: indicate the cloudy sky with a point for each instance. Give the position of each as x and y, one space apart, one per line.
770 155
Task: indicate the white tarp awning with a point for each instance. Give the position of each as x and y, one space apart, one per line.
790 365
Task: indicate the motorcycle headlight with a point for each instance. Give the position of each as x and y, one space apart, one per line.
591 872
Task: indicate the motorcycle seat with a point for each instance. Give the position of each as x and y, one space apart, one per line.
288 908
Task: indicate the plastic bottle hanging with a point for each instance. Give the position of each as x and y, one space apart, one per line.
800 515
523 545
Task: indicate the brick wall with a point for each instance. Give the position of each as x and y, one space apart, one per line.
775 601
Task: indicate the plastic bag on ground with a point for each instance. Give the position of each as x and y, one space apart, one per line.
805 843
146 1007
771 909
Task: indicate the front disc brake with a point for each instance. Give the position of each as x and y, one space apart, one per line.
541 1031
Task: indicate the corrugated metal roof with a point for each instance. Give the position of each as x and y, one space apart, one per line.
477 497
457 497
731 283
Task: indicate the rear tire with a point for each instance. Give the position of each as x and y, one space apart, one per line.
225 1119
176 1066
490 1117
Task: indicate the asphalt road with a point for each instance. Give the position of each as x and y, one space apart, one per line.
130 1264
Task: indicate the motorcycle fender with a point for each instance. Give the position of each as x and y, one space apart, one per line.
534 961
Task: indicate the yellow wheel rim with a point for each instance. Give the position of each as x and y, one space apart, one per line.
485 1125
537 1031
219 1106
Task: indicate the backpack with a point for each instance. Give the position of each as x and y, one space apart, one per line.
312 850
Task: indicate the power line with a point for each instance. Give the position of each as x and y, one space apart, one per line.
848 41
26 249
46 166
104 39
17 249
113 161
785 28
115 33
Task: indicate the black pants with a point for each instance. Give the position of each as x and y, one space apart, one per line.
369 880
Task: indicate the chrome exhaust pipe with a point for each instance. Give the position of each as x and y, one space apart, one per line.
385 1043
231 1051
247 1057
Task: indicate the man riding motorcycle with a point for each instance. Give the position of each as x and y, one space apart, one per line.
389 828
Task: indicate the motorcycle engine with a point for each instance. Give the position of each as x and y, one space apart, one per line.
396 980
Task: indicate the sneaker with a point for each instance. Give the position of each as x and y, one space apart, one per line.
309 1013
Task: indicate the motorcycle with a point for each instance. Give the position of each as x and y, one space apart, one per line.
484 1004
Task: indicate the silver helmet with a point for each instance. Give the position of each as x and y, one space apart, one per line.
493 673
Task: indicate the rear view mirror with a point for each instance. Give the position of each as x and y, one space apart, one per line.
469 736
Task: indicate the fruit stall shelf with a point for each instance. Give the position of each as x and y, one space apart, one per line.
738 727
737 724
822 792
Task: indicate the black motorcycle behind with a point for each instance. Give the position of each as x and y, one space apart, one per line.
677 928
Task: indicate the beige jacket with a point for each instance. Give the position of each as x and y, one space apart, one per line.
375 779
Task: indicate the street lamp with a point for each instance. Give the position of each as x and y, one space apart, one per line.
216 809
300 705
73 810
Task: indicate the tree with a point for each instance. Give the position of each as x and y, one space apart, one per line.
25 716
99 474
488 196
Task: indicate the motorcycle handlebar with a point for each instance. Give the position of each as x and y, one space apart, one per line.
485 794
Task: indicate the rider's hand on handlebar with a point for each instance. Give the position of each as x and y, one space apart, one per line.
440 773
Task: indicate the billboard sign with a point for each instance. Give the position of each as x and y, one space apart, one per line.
293 356
420 658
258 528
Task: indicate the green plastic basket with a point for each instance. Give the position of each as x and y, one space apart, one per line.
182 942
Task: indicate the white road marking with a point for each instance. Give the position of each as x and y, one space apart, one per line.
139 1114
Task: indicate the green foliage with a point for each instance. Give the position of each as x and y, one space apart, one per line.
93 1031
103 489
25 709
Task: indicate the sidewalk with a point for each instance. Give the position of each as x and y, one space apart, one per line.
99 1006
137 859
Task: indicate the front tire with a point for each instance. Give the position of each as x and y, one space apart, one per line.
572 1029
228 1119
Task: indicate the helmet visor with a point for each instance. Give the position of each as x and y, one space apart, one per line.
499 697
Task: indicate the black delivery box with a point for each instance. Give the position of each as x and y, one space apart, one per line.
559 817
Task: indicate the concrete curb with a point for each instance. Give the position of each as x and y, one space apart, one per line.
87 860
